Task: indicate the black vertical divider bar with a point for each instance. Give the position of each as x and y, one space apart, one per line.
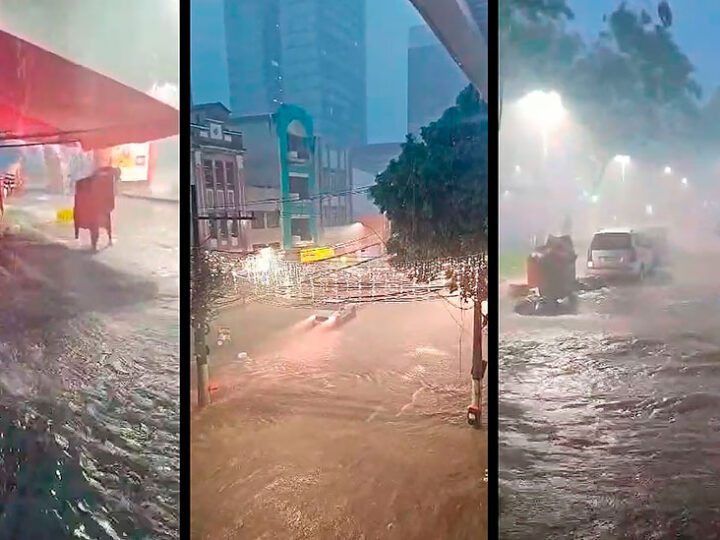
493 371
185 168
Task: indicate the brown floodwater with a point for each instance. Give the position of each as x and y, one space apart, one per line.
355 432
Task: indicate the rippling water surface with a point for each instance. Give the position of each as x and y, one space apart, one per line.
88 396
89 449
610 419
357 432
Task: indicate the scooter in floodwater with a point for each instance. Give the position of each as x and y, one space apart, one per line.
551 282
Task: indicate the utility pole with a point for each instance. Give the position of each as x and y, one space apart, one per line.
199 323
479 363
200 326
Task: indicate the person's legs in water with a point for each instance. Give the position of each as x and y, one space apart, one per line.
94 236
108 227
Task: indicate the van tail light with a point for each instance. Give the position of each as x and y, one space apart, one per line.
633 255
589 256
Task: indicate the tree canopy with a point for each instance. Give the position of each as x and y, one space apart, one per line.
435 192
633 88
535 48
634 82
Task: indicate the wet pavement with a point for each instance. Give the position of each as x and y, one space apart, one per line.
354 432
610 419
89 375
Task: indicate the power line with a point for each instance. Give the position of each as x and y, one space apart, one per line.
352 191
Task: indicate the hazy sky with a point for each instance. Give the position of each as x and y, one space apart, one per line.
695 26
92 34
388 22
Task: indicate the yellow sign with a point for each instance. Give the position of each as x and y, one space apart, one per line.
64 215
132 160
316 254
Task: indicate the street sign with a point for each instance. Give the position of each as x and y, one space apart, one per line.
311 255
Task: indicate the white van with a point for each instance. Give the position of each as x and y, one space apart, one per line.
620 253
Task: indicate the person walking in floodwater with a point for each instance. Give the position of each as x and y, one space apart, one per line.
95 199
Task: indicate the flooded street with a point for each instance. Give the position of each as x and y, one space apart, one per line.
89 414
610 419
354 432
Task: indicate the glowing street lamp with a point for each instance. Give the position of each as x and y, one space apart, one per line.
684 182
623 160
649 209
546 110
667 169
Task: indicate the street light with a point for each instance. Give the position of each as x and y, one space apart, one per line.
545 109
667 169
684 182
623 160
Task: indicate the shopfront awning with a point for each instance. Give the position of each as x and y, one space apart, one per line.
45 98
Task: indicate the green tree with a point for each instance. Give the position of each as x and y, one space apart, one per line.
435 195
634 89
435 192
533 10
536 51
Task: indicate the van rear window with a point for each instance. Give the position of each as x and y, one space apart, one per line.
611 241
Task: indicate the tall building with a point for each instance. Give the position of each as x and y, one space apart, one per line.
434 79
288 174
309 53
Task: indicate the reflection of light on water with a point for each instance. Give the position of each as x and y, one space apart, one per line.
429 351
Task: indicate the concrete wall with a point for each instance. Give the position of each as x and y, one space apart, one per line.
262 158
266 235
